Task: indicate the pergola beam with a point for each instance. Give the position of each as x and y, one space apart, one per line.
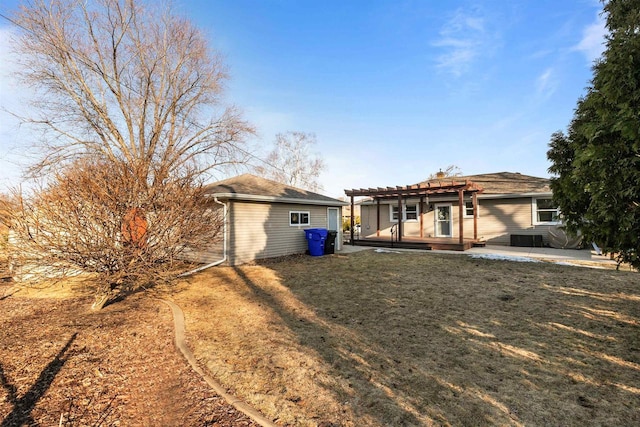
414 190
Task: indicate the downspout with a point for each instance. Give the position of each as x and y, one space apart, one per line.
224 242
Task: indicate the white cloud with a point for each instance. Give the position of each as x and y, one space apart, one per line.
592 43
463 39
546 84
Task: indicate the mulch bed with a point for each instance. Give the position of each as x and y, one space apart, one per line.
62 365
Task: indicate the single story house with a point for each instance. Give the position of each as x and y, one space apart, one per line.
502 208
265 219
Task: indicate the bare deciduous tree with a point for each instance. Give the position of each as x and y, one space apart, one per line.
89 220
129 99
293 163
450 171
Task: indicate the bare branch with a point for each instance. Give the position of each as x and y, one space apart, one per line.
450 171
129 98
292 162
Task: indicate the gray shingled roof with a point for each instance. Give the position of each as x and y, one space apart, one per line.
251 187
504 183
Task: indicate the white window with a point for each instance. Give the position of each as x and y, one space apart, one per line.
545 212
299 218
394 213
410 212
468 209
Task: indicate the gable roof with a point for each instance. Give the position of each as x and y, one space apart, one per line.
503 183
249 187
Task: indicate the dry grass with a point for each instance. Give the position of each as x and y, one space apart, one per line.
375 339
61 289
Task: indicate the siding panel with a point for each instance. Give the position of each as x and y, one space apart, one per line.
498 219
262 230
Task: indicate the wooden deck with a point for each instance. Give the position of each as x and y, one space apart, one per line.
418 243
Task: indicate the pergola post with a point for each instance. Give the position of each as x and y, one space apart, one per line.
378 217
461 215
399 218
421 210
475 215
353 221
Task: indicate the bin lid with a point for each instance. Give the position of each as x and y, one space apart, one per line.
322 231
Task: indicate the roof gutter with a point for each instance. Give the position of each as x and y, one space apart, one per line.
224 243
256 198
514 195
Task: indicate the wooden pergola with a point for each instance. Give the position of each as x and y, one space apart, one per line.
420 191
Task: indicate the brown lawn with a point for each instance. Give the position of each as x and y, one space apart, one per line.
380 339
61 365
366 339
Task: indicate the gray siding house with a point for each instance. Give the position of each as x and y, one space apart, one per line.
508 204
266 219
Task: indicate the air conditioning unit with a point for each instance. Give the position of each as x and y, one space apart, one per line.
527 240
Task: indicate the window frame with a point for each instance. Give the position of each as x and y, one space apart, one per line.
394 207
466 209
535 212
415 210
391 212
301 215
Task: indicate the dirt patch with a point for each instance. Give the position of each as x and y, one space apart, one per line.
377 339
62 365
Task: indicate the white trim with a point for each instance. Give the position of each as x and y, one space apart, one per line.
300 213
534 212
404 212
435 219
339 225
464 209
271 199
515 196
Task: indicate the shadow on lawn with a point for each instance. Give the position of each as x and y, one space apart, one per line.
488 342
330 354
23 406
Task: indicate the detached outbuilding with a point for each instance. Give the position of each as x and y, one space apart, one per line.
266 219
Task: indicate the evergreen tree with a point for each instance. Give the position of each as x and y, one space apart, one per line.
597 163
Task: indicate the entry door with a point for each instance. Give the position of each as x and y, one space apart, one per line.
443 220
333 223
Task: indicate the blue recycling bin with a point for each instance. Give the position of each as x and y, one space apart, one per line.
315 239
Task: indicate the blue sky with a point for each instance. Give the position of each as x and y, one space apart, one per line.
393 90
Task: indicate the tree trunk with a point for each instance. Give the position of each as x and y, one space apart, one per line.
100 301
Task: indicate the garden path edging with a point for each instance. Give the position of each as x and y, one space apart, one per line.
240 405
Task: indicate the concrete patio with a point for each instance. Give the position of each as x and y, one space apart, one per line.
569 256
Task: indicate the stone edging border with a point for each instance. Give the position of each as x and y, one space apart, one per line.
179 326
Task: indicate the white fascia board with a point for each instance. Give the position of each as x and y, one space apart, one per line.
271 199
515 196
